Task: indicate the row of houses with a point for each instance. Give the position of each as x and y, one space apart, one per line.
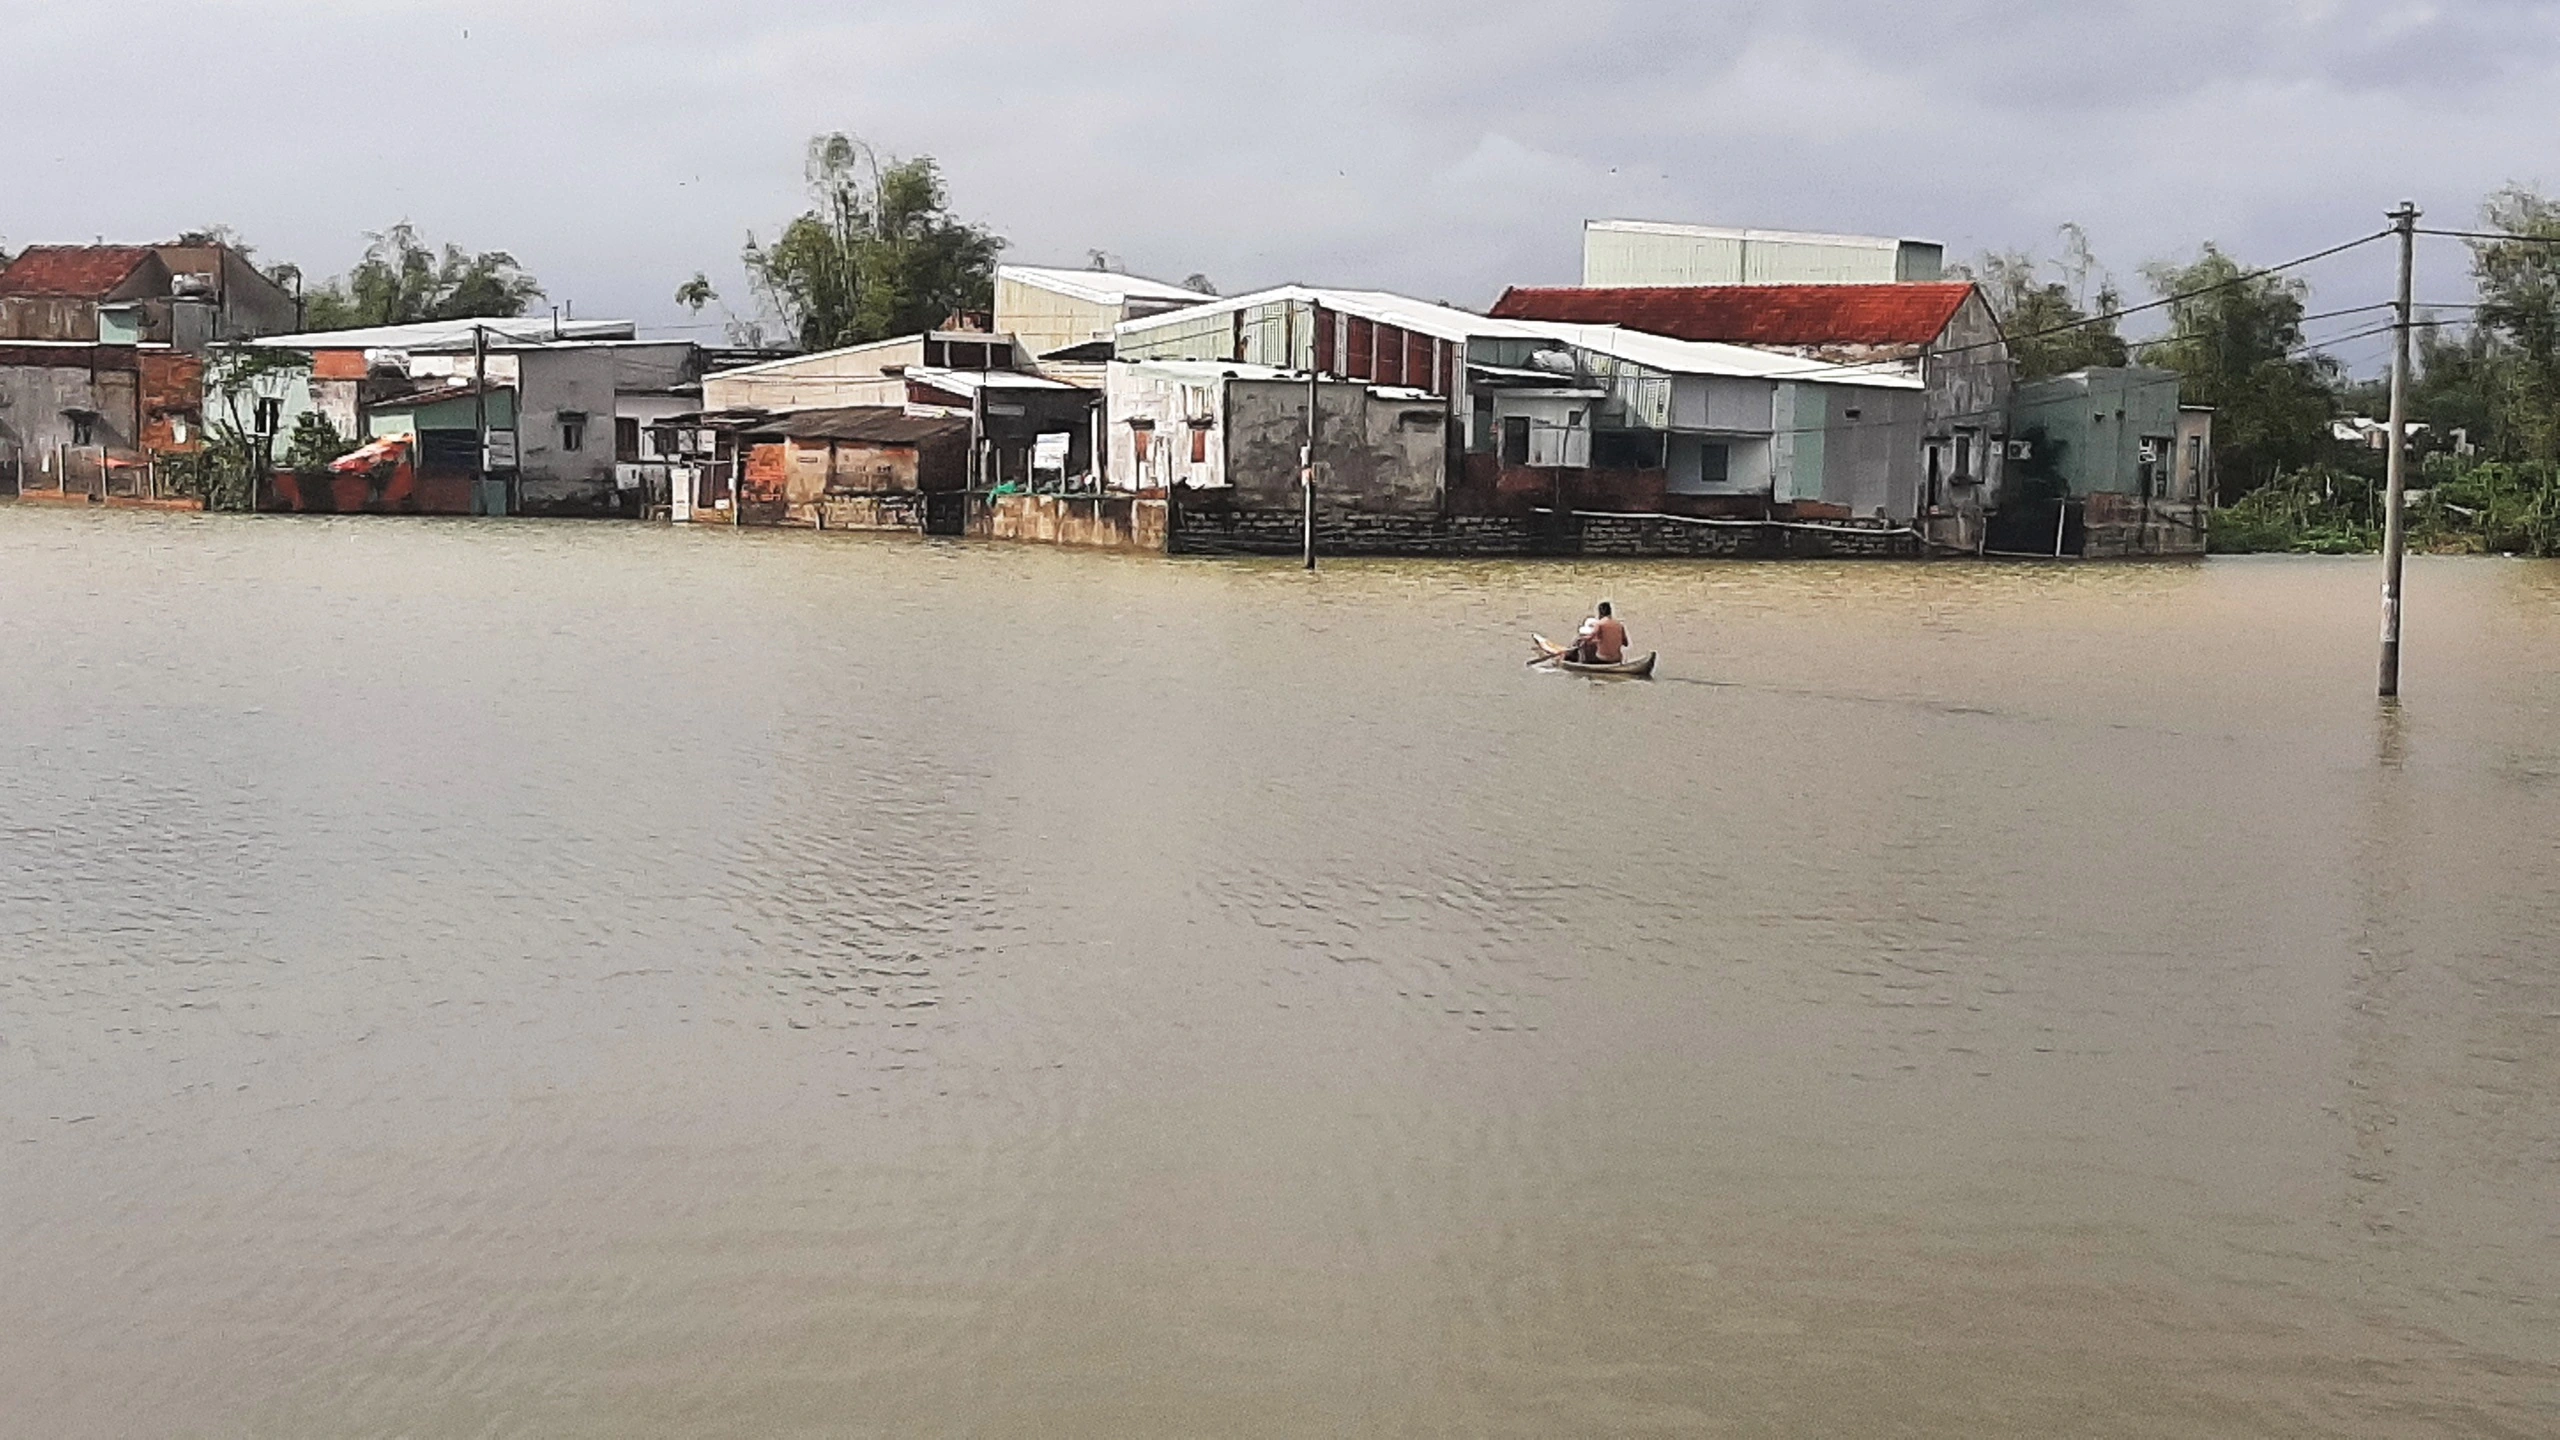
1704 391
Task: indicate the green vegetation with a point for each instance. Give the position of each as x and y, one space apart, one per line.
2484 391
402 279
877 254
2057 325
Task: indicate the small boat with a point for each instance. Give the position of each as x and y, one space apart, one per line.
1634 667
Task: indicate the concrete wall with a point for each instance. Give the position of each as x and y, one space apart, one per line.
37 384
1373 453
1104 522
1219 529
552 479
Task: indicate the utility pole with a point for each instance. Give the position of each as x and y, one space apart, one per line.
479 419
1307 466
2396 471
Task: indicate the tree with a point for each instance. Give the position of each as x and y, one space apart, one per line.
878 253
2235 340
696 293
2519 287
1199 282
2456 387
2050 324
402 280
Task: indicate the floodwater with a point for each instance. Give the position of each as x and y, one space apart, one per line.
523 979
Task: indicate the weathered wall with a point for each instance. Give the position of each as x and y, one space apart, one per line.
2095 422
172 400
1373 453
48 317
2115 526
1208 528
551 478
39 383
1106 522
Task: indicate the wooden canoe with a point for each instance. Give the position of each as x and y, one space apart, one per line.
1634 667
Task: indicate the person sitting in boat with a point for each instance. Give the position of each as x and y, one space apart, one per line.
1603 641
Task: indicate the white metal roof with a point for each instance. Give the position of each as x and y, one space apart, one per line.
945 378
1099 287
788 363
1420 316
1722 232
1199 370
1706 357
1679 357
438 334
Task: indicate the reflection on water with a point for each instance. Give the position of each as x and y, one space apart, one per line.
599 980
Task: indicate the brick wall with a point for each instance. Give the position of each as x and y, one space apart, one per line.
1239 531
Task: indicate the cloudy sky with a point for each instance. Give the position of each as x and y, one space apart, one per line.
1439 149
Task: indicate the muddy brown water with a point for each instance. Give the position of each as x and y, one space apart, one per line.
492 979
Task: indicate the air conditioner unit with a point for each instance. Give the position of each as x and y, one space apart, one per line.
191 286
2022 449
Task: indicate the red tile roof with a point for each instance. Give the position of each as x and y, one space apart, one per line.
1750 314
82 272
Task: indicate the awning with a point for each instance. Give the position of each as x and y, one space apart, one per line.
364 458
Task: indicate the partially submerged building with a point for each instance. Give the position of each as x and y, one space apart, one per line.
858 467
2111 464
101 362
1942 335
566 406
1586 429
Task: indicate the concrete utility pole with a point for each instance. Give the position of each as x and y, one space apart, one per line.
2395 486
479 420
1307 467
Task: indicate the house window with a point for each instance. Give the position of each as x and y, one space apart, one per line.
84 430
270 419
573 430
626 438
1715 463
1626 450
1515 440
1964 457
1199 444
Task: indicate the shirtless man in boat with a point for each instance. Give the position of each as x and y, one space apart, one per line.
1603 641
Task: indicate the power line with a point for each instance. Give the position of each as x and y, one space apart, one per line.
2494 235
2111 316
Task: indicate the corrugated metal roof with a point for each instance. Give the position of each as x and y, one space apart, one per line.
1726 232
874 424
1674 356
1911 314
1098 287
943 378
81 272
1443 322
437 395
451 334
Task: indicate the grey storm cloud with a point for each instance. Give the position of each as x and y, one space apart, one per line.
1439 149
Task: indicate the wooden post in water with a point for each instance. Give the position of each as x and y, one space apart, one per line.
2396 470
